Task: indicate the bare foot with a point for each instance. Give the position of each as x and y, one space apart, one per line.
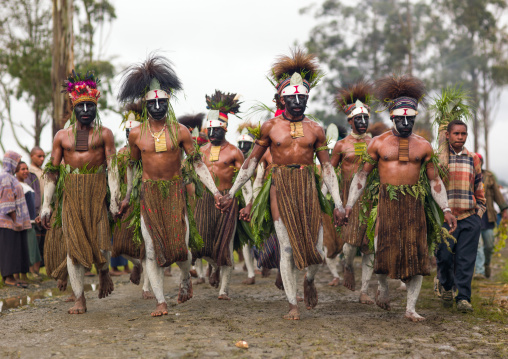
106 285
147 295
257 272
71 298
214 278
414 317
167 272
365 298
193 273
265 273
136 274
61 285
383 302
299 299
310 296
349 277
294 313
278 281
79 306
335 282
160 310
224 297
199 281
185 292
250 281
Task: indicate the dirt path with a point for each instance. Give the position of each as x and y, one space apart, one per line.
120 326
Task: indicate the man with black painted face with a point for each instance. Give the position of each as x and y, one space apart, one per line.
245 143
89 146
223 159
354 101
293 140
401 233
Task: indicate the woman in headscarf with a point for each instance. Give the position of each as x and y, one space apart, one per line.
14 223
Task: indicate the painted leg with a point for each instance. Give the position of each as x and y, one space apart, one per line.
225 275
106 285
367 269
349 271
200 272
146 294
310 295
77 278
185 292
155 273
413 291
382 295
135 275
249 263
332 264
287 270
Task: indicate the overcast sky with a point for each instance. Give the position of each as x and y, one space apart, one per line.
227 45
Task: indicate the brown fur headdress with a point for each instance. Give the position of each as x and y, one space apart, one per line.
400 92
347 96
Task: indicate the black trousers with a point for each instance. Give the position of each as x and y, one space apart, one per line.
14 257
457 268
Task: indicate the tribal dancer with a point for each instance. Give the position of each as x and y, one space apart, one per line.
222 158
87 147
123 241
245 144
164 220
401 238
354 101
294 200
194 124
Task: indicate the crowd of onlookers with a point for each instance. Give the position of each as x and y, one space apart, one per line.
21 235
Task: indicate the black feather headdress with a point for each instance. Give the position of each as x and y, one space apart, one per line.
137 78
223 102
192 121
404 91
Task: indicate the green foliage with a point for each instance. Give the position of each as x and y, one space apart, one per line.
261 217
452 104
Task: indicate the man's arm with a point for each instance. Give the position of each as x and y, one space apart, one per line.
499 199
438 191
247 188
50 180
329 177
249 166
479 192
360 179
200 168
113 180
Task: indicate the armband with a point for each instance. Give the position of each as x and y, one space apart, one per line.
322 148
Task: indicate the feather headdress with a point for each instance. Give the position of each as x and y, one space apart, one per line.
244 127
401 94
355 98
220 105
82 88
303 64
139 79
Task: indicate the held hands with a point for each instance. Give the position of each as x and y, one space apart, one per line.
349 212
225 202
123 207
218 200
245 213
46 218
450 220
339 216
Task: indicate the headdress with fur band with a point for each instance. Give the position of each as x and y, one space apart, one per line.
355 99
220 105
153 79
194 123
295 74
400 94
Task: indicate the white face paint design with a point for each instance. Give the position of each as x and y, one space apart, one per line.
157 103
85 105
405 120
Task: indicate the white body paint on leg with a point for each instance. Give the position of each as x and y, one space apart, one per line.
332 264
155 273
225 271
413 291
146 280
287 263
249 261
76 277
185 265
313 269
367 269
349 254
381 278
199 268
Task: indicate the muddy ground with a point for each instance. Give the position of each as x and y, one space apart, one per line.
120 326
